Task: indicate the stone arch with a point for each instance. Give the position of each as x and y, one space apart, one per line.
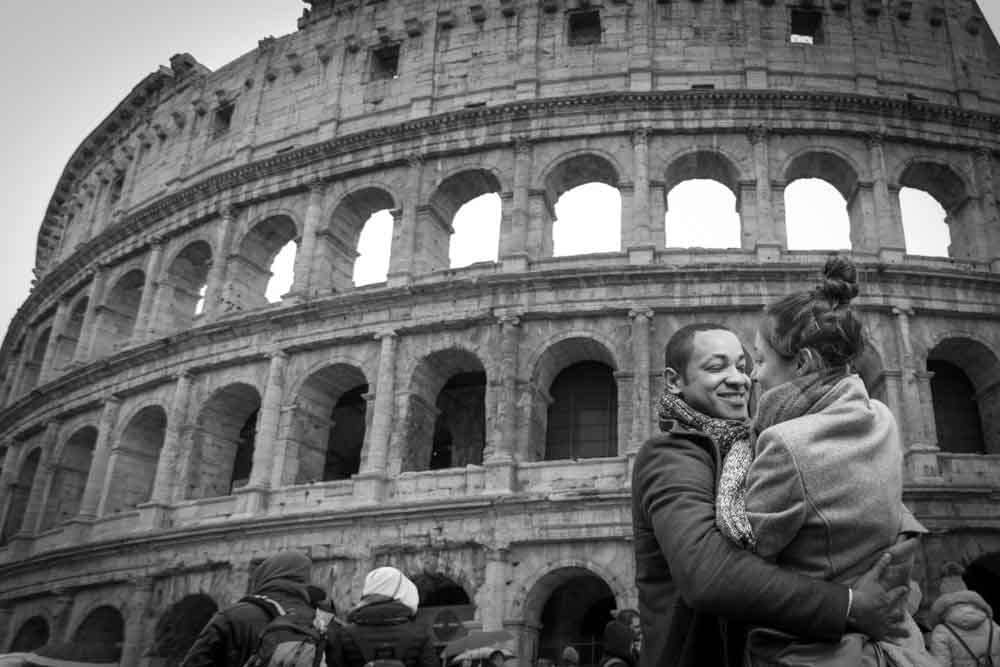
444 604
119 315
965 391
222 455
101 634
70 337
179 626
337 243
594 596
18 495
33 364
836 169
451 194
250 267
330 421
705 164
183 287
567 172
982 574
952 191
445 422
33 634
70 477
135 455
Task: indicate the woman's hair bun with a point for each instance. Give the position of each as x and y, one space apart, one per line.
840 280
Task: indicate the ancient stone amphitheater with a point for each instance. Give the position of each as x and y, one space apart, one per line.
165 427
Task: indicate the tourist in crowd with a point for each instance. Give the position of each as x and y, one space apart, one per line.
617 645
382 626
697 588
277 587
818 486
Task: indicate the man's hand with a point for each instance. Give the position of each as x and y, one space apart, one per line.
874 611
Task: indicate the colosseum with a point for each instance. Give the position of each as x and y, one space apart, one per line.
165 426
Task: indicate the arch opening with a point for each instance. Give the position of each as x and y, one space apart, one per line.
965 391
67 343
446 418
70 479
925 223
581 208
185 285
33 366
583 416
816 216
983 576
179 626
118 317
461 224
444 606
332 421
354 248
255 277
477 231
374 249
944 185
138 453
33 634
702 213
100 635
578 606
222 458
19 494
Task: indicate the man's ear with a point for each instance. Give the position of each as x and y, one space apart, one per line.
674 380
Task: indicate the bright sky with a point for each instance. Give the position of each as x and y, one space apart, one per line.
68 64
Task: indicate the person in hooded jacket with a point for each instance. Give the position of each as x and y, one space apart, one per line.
617 645
230 637
965 633
382 626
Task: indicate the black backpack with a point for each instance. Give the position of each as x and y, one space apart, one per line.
381 655
288 640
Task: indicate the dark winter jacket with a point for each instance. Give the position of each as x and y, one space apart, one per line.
696 587
231 635
380 627
617 645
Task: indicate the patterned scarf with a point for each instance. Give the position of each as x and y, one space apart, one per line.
801 396
733 439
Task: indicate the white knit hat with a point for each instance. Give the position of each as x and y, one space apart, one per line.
392 583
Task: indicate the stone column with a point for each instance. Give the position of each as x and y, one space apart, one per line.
94 490
889 237
145 323
493 598
920 456
642 420
135 620
58 327
771 239
513 240
376 452
165 482
927 407
88 331
303 285
636 231
991 214
216 281
500 456
267 430
404 235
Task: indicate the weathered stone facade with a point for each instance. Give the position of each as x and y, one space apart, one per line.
153 452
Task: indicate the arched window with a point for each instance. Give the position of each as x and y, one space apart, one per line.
702 207
575 615
33 634
586 208
257 275
925 225
444 606
117 320
282 273
179 626
583 415
223 456
19 494
182 295
461 223
70 478
822 210
354 249
101 634
66 347
477 231
965 390
135 466
374 244
33 366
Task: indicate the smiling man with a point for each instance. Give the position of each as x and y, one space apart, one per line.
696 588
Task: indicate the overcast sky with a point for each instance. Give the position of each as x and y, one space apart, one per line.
67 65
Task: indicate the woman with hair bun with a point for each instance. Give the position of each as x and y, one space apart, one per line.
819 486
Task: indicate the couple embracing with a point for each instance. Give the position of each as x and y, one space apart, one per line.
776 538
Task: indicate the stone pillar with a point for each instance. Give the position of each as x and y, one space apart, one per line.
493 599
771 239
88 331
94 490
135 621
513 240
642 420
636 230
404 234
990 213
921 457
500 456
376 452
165 482
304 260
145 321
61 608
267 430
927 407
216 281
58 327
889 238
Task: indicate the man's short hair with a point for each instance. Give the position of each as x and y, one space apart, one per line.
678 351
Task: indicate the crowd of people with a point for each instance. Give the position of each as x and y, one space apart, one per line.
768 519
